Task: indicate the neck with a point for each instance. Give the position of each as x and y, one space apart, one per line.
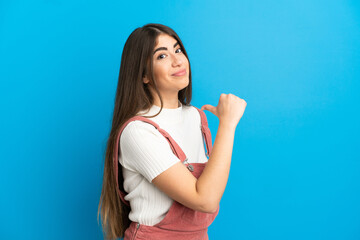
170 102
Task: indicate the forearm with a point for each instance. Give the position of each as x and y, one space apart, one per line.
211 184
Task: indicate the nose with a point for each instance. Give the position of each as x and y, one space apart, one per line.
177 60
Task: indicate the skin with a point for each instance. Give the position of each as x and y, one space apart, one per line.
166 63
202 194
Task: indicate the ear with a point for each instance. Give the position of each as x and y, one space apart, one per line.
146 80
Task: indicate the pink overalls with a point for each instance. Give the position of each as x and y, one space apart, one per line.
180 223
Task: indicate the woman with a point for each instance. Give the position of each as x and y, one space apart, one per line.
158 182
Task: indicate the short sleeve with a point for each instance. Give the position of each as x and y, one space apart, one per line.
145 150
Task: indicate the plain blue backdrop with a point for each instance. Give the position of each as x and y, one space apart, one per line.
295 170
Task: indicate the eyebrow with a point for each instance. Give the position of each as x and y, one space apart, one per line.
164 48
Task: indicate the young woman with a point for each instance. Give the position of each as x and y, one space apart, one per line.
158 181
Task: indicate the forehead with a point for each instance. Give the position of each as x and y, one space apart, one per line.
165 40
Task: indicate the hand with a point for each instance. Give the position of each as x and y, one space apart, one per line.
229 109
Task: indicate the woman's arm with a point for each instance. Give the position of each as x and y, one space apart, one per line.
204 194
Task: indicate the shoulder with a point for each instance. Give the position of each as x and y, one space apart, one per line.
137 129
190 109
193 113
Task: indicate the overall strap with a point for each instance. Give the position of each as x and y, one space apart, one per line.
205 131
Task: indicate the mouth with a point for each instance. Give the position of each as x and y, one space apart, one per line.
179 73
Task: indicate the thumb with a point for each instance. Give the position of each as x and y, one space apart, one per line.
209 107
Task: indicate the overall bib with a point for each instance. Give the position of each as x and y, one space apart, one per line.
180 222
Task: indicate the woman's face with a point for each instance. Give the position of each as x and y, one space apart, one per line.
168 60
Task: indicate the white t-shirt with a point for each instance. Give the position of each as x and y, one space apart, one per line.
145 153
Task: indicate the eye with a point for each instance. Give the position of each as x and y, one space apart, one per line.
179 49
159 57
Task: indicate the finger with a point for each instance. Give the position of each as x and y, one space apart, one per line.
208 107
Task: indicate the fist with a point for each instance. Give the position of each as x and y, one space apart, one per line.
229 110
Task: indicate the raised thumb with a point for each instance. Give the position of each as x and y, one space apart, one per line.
208 107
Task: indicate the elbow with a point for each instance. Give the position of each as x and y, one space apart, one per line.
212 210
209 206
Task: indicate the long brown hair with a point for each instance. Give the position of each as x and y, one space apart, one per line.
132 96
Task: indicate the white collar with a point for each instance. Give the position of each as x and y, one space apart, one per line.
166 116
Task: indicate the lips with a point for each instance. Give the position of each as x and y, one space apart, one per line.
180 73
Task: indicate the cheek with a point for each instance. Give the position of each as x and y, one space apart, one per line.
186 61
160 72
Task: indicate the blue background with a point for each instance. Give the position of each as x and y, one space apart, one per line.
295 170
